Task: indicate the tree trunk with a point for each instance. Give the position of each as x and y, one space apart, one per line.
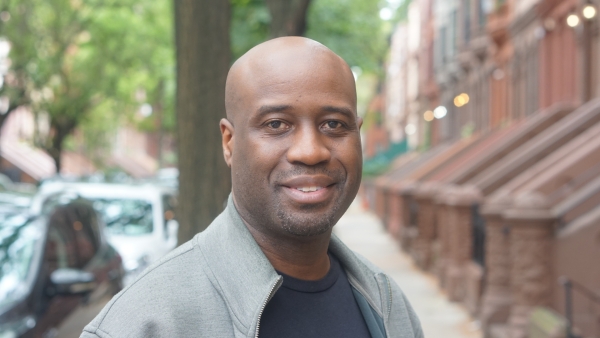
3 118
159 108
203 56
288 17
60 128
59 133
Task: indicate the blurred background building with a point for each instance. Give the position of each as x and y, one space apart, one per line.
498 193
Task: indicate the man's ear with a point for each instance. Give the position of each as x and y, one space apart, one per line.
227 140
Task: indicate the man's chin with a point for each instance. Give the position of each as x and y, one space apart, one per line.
307 224
304 231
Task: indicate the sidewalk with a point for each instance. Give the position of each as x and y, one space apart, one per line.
364 233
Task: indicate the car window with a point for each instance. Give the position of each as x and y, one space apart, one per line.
19 238
125 216
87 230
73 236
58 253
169 204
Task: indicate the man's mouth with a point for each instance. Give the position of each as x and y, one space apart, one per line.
309 189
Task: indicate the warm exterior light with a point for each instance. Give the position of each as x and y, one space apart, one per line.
589 12
440 112
573 20
461 100
428 116
465 97
410 129
458 101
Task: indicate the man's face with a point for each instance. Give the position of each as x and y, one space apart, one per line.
295 148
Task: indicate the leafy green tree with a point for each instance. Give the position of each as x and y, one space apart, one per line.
351 28
288 18
73 59
15 81
250 20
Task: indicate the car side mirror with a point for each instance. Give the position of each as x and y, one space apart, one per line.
172 229
72 281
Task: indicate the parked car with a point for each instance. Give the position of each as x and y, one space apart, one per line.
168 177
140 219
13 204
57 270
15 198
7 185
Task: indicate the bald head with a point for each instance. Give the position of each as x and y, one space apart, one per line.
291 127
279 62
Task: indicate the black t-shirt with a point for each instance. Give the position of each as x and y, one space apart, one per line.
323 308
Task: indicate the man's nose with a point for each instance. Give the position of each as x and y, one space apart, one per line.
308 148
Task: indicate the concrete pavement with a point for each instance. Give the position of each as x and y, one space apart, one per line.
363 232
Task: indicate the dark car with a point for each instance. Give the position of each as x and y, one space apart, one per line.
56 271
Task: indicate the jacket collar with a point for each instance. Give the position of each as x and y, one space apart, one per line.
238 268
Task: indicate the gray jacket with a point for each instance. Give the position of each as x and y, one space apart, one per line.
217 285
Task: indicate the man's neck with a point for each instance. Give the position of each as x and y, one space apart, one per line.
302 258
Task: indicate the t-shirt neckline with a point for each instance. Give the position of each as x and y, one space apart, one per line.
320 285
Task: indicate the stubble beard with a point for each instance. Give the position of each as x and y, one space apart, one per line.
312 221
306 224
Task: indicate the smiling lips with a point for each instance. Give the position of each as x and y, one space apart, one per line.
309 189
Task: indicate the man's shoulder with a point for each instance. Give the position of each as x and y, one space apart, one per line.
378 286
169 294
172 278
185 258
370 267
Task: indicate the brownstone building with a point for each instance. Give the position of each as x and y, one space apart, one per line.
504 207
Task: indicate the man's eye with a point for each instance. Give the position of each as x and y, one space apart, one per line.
275 124
333 124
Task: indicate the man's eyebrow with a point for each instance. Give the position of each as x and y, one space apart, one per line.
342 110
267 109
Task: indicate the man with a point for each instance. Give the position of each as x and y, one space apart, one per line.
269 265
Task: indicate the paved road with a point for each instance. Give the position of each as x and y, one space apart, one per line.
363 232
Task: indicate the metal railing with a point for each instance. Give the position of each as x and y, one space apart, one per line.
413 209
478 224
569 285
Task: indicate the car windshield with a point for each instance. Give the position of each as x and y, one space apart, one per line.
19 238
125 216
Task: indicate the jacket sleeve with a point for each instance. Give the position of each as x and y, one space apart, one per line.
401 307
414 320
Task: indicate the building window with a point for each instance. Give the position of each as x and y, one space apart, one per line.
467 21
454 36
482 10
442 47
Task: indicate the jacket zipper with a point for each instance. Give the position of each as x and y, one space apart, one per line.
389 304
389 301
389 294
362 292
262 309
